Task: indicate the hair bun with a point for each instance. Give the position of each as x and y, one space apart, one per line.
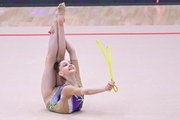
56 66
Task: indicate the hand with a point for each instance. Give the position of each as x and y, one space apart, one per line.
51 31
109 86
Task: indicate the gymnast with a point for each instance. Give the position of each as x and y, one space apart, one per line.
61 85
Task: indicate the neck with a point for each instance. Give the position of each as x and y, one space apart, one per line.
71 80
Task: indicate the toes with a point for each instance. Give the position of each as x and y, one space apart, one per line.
60 13
61 8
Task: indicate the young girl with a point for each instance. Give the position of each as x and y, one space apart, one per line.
62 90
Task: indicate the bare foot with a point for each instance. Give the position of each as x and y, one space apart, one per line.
51 31
60 13
61 9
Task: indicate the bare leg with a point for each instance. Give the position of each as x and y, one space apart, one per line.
61 38
61 42
61 35
49 78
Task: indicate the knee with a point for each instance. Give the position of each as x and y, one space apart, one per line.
50 61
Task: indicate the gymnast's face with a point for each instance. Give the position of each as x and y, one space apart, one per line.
66 68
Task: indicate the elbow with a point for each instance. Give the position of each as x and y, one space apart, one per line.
85 92
73 55
73 51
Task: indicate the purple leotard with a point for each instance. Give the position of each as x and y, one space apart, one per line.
75 102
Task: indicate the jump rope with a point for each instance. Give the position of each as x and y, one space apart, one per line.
108 56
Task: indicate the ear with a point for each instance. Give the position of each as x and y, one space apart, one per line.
60 73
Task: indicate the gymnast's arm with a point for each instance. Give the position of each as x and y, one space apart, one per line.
73 58
71 51
71 90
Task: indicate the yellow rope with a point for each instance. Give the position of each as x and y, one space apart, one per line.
108 56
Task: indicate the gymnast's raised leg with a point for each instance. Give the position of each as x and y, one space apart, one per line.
56 48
